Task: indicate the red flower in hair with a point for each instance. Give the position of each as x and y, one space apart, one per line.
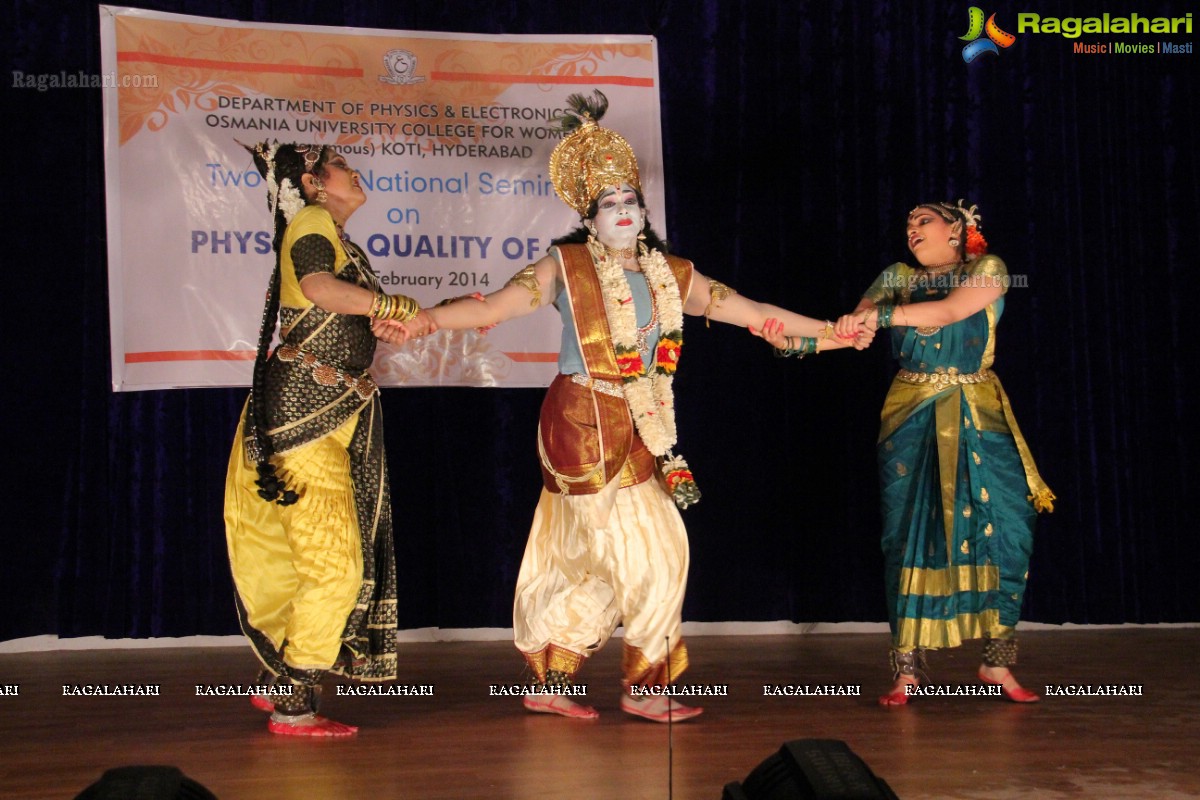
976 244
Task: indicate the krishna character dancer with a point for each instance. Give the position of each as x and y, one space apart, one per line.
960 490
607 543
307 506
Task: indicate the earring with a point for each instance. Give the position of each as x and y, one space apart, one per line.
319 185
954 242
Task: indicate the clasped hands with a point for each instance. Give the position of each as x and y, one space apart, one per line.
395 332
851 330
423 324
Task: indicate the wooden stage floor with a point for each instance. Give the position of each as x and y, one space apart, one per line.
463 743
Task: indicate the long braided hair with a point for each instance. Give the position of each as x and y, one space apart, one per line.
283 166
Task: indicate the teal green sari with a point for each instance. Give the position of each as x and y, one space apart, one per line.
959 489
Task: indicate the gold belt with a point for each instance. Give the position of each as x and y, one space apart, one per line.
942 380
327 374
598 385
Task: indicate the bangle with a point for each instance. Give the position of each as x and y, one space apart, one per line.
827 331
883 317
807 346
397 307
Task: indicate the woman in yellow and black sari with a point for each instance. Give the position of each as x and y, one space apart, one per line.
307 502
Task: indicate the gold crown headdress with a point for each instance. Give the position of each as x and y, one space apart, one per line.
590 158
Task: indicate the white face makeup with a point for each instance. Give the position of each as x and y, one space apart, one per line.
929 238
619 218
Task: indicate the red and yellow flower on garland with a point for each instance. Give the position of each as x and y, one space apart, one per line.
676 476
679 480
667 356
629 362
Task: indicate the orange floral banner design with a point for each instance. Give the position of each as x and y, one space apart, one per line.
197 64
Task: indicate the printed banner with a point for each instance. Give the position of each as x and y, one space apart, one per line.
451 134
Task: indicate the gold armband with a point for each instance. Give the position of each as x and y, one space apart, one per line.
397 307
527 280
717 292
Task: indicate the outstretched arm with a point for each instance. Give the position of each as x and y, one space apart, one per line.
714 300
526 292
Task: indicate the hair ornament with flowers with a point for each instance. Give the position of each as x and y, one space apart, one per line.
289 200
976 244
283 191
972 222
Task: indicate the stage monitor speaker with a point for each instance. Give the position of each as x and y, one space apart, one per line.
811 769
145 783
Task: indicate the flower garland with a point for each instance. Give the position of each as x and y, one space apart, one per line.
268 157
680 482
650 396
289 200
283 195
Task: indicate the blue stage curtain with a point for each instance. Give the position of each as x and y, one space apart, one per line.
797 136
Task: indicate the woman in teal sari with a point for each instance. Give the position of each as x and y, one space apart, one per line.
959 488
960 491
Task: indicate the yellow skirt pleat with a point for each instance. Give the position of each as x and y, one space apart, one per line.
297 568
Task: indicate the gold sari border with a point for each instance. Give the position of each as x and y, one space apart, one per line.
946 413
1039 493
636 669
948 581
553 657
933 634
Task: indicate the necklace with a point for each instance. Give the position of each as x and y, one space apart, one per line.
643 331
649 393
940 269
624 252
366 275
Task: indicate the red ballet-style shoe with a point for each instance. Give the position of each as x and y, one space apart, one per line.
898 696
558 704
262 703
908 669
309 725
1016 693
655 709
